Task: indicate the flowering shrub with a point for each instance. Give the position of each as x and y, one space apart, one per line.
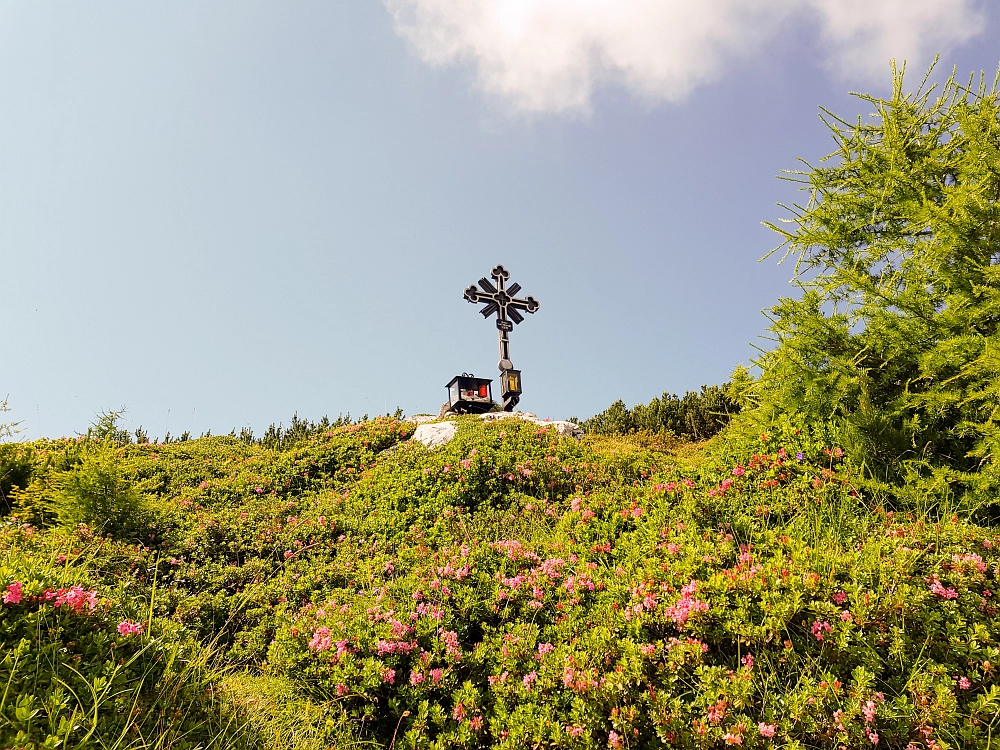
519 588
68 677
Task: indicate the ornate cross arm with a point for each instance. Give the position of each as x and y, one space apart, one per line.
499 299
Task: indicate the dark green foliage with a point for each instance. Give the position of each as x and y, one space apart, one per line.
696 416
298 430
895 338
15 472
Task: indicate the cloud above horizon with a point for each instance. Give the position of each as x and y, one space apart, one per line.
543 56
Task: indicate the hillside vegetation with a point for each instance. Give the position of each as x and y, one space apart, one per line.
820 574
513 587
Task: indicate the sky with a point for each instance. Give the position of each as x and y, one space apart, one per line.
218 214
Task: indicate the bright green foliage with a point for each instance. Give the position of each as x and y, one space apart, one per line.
696 416
97 493
896 334
511 589
7 429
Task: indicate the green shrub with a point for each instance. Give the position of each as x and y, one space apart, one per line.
83 666
98 493
16 468
695 416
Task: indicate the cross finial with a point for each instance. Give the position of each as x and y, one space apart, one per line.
500 299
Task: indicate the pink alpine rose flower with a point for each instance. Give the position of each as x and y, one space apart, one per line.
127 627
77 598
820 628
13 594
939 589
321 640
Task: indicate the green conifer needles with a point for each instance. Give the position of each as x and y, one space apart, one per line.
895 336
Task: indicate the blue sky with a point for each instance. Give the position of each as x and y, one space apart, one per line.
220 213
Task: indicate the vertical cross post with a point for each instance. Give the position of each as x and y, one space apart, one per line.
501 299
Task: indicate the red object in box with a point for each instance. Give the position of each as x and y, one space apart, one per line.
482 391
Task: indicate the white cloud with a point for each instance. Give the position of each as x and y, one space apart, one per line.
865 34
549 55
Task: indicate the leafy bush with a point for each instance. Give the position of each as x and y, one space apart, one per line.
696 416
15 472
84 666
97 492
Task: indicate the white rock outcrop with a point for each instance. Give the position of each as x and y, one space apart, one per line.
436 434
566 429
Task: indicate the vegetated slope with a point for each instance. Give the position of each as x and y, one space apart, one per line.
511 589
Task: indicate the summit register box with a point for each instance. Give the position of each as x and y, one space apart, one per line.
468 394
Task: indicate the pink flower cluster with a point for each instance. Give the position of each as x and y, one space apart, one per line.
395 647
721 489
581 680
939 589
820 628
451 647
127 627
514 550
687 605
450 571
578 584
76 598
321 640
13 594
426 610
970 558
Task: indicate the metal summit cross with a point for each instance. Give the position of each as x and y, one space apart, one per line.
500 299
